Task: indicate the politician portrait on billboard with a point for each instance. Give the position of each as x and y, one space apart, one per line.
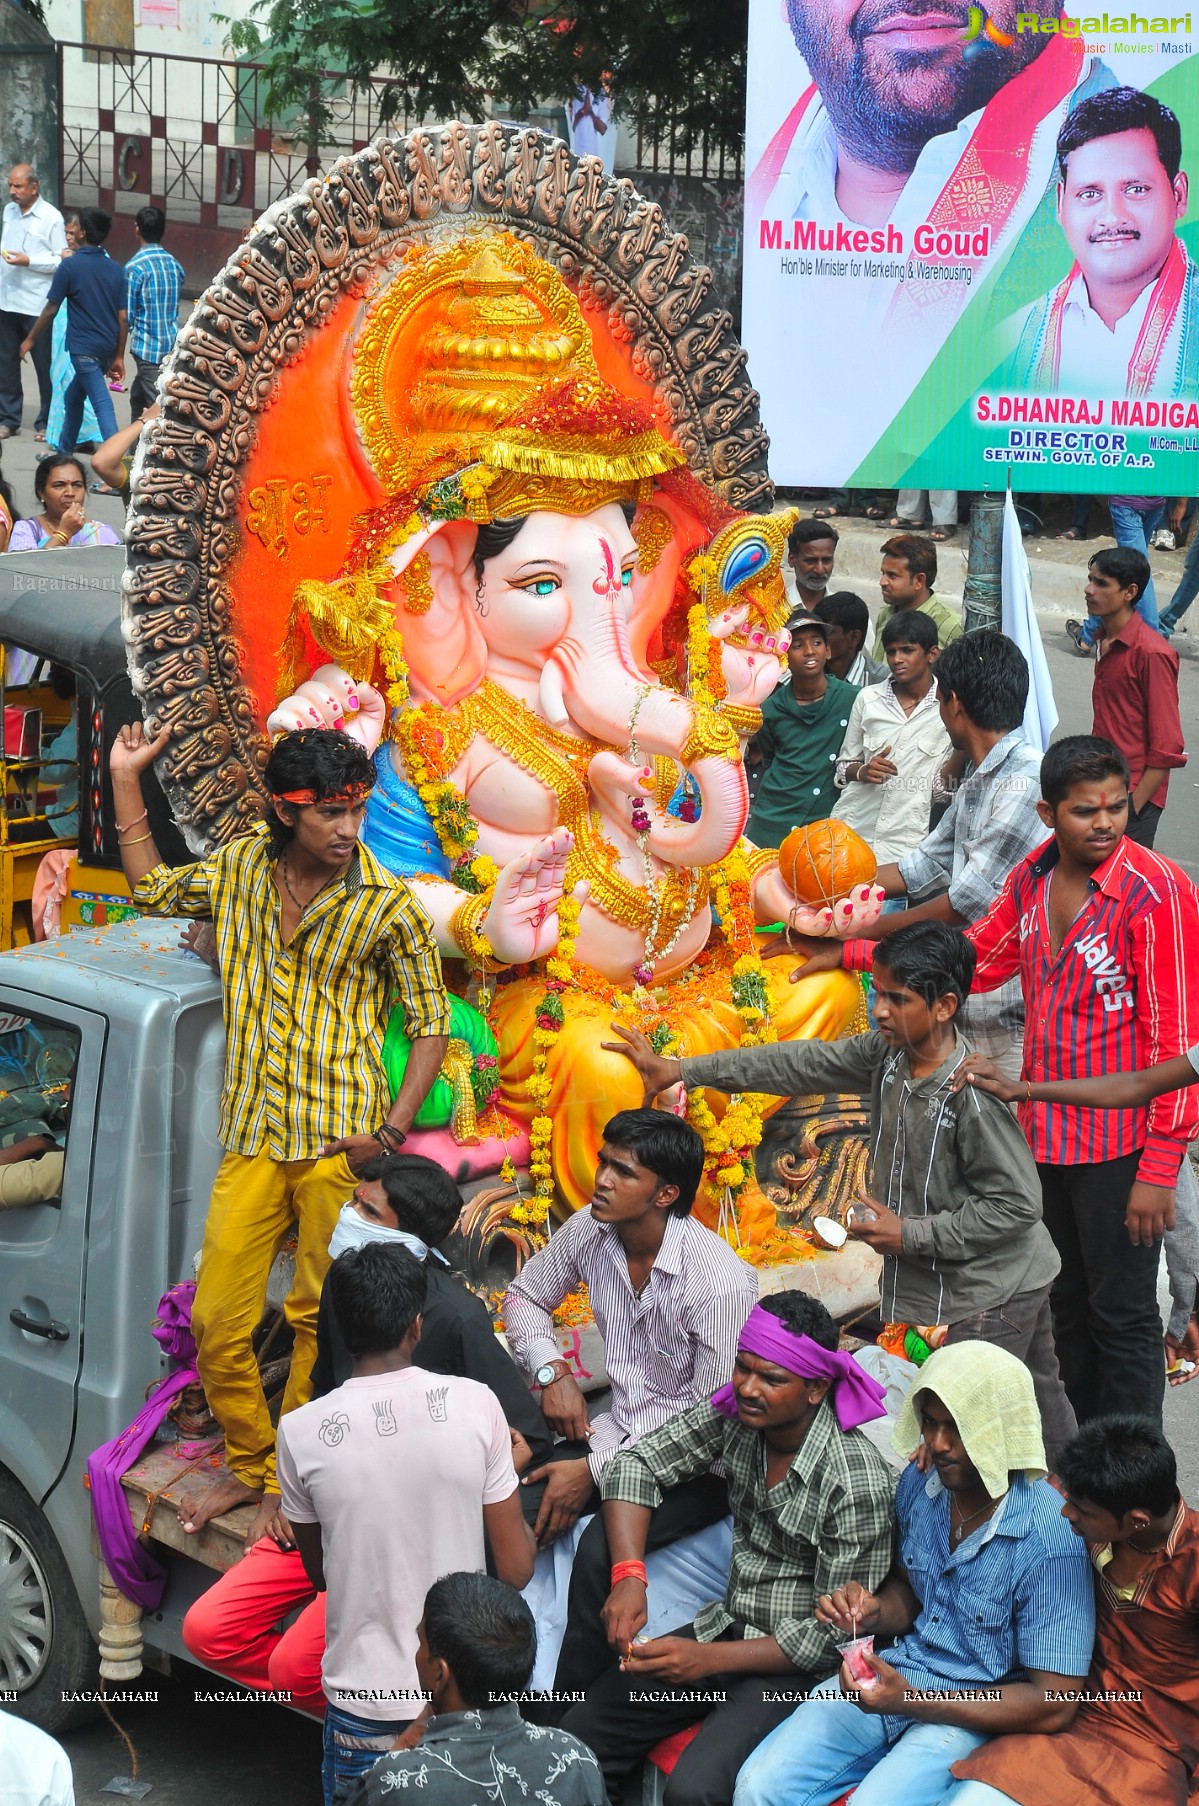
1124 319
921 271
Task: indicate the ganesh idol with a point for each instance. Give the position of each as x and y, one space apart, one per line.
555 640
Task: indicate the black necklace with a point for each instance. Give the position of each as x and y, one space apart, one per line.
302 907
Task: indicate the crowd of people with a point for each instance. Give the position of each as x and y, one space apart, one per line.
73 311
975 1586
969 1632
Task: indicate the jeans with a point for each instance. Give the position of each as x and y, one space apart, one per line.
1132 528
1024 1327
14 328
620 1725
143 391
1106 1321
353 1746
89 382
829 1745
1188 588
977 1793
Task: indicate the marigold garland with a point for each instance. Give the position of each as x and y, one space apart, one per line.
729 1144
547 1026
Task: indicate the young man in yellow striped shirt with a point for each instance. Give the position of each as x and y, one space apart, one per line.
315 939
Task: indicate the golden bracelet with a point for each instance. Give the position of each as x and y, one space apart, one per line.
135 843
466 932
757 861
743 717
711 737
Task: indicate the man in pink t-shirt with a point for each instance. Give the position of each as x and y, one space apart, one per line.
393 1479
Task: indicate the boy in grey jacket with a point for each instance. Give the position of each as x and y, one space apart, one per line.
957 1211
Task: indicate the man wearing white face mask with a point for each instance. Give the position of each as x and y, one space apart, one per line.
409 1202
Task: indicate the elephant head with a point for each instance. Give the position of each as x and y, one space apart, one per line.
543 606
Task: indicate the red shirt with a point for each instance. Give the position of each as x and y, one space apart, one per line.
1136 701
1115 998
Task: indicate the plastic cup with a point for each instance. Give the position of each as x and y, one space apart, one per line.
853 1654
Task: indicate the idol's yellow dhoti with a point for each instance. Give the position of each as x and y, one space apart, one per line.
587 1085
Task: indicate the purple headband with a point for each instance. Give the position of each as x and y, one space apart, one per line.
856 1397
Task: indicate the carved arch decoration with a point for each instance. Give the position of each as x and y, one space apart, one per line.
254 472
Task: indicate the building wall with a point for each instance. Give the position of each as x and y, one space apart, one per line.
28 97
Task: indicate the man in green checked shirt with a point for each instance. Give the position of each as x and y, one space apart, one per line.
811 1498
314 939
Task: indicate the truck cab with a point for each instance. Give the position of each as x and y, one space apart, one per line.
113 1041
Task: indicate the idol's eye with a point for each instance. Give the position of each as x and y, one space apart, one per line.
540 586
626 578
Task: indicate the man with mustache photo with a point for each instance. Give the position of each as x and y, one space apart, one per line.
909 116
1124 320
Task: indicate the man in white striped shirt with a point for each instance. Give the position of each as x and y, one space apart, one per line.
669 1298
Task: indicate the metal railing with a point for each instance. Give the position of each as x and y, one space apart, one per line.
194 133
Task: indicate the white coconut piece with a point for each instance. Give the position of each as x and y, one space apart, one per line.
829 1233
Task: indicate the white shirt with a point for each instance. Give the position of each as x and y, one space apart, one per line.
34 1770
1095 357
665 1350
892 817
396 1469
40 234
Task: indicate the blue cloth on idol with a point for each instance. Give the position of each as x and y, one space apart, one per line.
398 829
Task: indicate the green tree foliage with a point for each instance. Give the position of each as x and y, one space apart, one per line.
677 69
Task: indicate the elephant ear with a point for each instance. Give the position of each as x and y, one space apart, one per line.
675 525
434 601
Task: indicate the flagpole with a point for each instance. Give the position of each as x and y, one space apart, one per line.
982 596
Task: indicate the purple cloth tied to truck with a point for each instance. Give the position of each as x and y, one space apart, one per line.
135 1571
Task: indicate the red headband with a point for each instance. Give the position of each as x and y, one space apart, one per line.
353 793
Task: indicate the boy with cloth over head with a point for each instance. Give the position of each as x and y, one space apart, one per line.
989 1602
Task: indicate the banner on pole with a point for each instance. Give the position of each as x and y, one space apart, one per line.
971 244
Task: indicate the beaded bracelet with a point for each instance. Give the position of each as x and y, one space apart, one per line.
123 827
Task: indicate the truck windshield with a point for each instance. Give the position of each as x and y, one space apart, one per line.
37 1065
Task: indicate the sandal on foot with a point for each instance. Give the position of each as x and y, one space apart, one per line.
1072 533
825 513
897 524
940 534
874 512
1074 631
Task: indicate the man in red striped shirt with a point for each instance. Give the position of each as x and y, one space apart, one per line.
1100 933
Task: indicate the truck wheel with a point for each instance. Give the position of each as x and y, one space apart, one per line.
46 1647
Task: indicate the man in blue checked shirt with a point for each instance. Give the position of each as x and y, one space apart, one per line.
155 280
988 1613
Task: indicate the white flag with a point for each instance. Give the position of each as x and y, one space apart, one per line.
1019 622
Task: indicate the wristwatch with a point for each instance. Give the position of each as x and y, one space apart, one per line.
547 1375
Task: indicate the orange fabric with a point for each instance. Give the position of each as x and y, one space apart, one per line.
235 1626
665 1755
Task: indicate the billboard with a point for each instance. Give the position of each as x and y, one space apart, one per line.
971 243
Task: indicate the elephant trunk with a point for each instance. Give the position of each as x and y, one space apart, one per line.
724 806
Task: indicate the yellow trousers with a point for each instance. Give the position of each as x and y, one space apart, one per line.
255 1200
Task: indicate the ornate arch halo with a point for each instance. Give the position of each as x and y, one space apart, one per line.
255 471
